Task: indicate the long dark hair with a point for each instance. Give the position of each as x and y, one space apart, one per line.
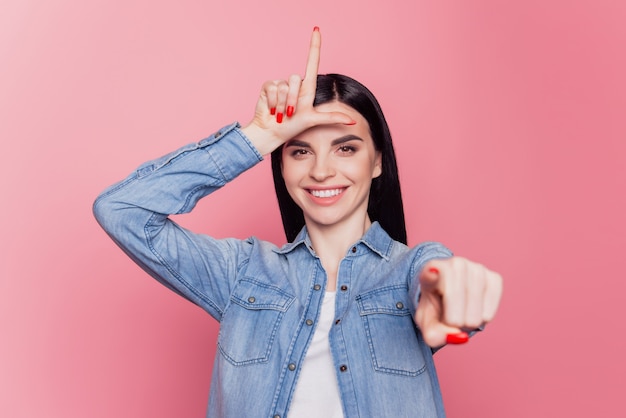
385 200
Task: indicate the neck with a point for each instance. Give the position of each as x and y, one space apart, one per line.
332 242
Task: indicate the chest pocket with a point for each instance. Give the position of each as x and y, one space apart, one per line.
250 322
391 333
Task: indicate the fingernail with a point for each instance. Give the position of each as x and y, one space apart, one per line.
289 111
279 118
273 111
459 338
351 123
434 270
316 29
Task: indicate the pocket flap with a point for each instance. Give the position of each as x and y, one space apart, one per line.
392 300
252 294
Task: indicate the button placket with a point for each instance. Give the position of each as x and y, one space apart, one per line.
295 355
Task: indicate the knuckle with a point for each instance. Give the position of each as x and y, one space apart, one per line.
497 278
474 322
494 280
271 88
457 262
480 281
455 320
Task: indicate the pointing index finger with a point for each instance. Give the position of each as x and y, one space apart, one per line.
313 61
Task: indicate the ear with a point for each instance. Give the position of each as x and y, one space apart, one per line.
378 165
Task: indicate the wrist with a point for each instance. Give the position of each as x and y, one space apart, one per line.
263 140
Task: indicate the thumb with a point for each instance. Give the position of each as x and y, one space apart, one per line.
437 333
330 118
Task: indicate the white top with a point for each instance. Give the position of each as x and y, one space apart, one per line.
317 391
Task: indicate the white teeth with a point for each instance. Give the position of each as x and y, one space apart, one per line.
326 193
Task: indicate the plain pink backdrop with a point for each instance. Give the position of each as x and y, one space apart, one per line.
509 123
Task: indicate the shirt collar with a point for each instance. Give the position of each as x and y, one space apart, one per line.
301 238
375 238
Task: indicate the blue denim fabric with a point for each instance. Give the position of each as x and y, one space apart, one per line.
263 295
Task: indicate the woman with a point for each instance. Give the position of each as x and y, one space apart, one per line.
341 320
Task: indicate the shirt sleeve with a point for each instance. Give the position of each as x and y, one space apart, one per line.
134 213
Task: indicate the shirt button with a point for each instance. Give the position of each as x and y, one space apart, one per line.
399 305
317 287
251 299
343 368
217 135
337 322
291 367
309 322
276 416
354 249
343 287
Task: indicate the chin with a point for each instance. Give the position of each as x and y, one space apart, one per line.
323 220
328 219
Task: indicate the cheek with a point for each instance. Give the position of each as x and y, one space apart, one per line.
286 171
285 167
291 183
378 165
292 174
364 169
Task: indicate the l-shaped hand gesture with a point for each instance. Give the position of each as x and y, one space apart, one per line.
285 107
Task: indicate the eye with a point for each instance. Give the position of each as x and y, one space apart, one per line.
299 152
346 149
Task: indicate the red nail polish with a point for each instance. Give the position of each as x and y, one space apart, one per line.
289 111
350 123
273 111
434 270
279 118
459 338
316 29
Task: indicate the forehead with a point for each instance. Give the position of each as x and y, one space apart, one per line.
334 131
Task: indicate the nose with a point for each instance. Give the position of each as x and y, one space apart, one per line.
322 169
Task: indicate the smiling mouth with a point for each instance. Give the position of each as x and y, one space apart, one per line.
326 193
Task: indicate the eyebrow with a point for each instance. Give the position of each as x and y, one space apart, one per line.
340 140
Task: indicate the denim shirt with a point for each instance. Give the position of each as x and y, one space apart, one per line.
267 299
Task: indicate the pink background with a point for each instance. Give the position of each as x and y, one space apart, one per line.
510 128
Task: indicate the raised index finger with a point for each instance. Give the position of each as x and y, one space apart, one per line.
313 61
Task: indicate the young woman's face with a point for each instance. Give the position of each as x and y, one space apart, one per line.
328 170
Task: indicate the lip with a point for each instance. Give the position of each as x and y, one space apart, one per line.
325 200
